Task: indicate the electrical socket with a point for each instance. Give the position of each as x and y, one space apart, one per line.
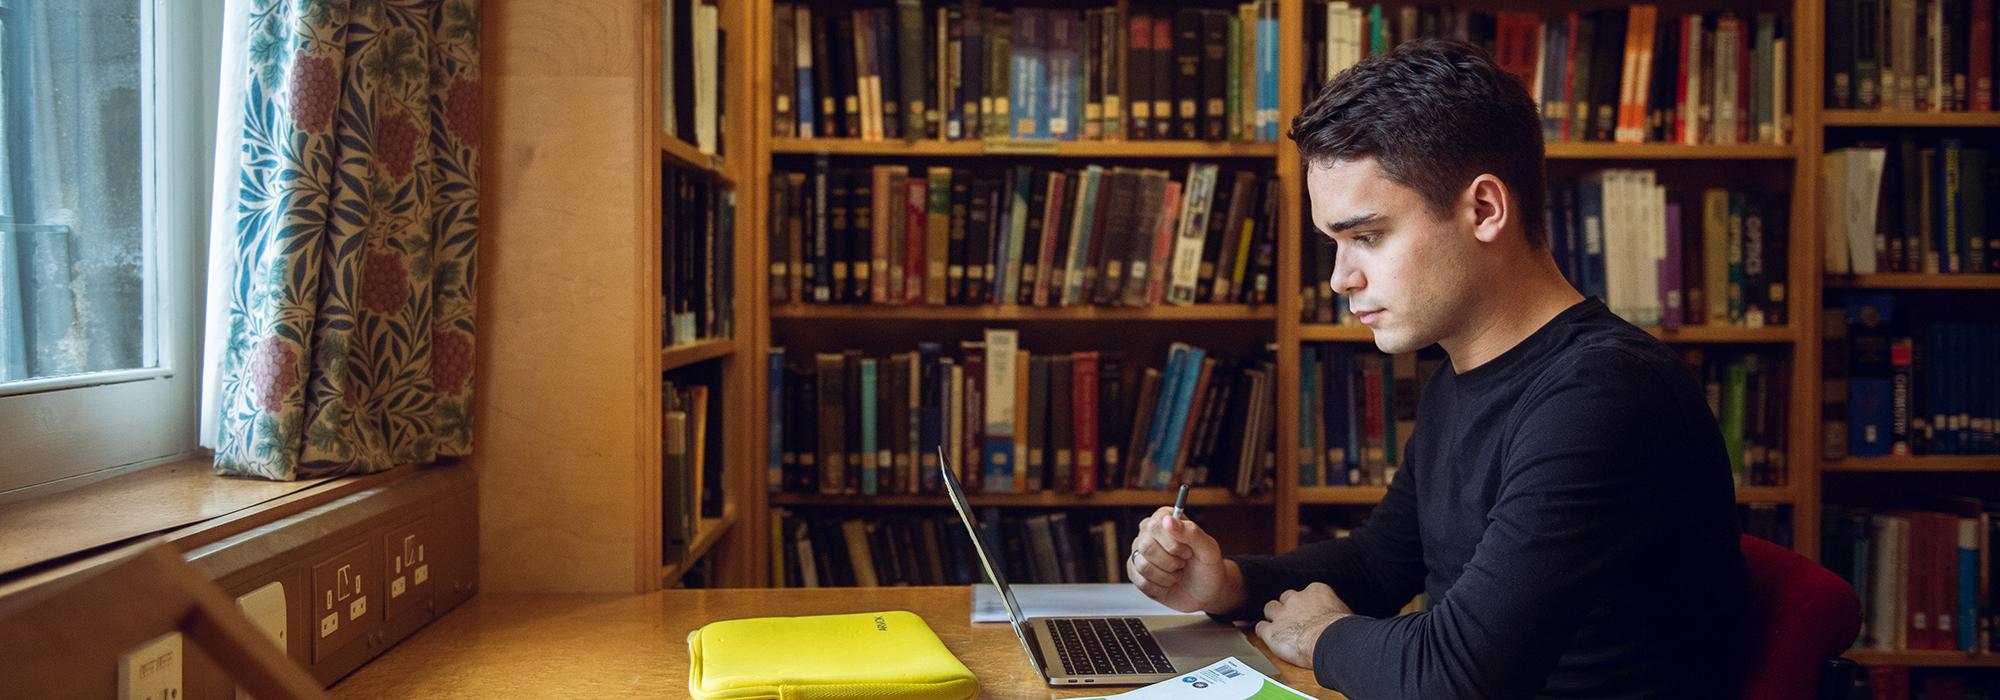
152 671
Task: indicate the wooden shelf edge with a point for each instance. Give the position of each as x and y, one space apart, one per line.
677 356
1010 312
1915 280
1880 117
1202 496
1341 495
686 155
707 533
1928 463
1668 151
1934 659
1012 147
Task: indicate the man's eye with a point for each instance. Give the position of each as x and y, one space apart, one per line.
1367 238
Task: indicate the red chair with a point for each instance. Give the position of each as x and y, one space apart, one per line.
1801 617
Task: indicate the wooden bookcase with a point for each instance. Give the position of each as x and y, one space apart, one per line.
1786 165
1793 165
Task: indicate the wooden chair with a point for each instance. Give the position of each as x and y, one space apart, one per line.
62 632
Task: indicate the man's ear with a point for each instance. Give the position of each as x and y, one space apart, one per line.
1488 197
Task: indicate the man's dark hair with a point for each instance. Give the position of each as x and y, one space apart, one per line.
1435 114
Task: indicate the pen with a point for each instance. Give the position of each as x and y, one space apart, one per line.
1180 500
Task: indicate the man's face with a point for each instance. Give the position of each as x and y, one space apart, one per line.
1403 270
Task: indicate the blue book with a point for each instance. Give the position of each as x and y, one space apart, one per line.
1309 393
804 73
1017 229
1590 221
1968 582
774 381
1267 75
1170 442
1338 377
1026 89
870 472
929 412
1162 411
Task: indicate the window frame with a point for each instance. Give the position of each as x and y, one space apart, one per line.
65 432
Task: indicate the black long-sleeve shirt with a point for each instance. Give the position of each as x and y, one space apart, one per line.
1568 508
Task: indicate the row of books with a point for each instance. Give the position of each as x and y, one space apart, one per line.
1119 236
1909 206
1014 421
1750 395
1623 74
1930 390
1355 407
691 485
1924 576
968 70
818 551
691 86
698 256
1621 236
1910 55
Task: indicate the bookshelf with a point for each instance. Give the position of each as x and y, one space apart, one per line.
715 361
812 328
1838 479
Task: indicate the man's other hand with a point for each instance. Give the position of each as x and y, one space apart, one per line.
1293 622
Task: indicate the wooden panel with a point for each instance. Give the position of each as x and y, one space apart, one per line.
573 646
565 299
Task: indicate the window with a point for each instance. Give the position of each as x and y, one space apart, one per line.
106 126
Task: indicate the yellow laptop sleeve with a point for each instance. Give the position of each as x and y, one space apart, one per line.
860 655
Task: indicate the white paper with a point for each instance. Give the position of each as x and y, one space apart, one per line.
1227 679
1066 600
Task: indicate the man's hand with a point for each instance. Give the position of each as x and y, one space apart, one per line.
1293 622
1173 561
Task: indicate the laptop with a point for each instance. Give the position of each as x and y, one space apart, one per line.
1108 650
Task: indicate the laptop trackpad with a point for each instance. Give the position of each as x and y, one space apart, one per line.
1192 642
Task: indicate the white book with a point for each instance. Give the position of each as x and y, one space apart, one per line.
1186 263
705 78
1863 196
1728 41
667 123
1002 344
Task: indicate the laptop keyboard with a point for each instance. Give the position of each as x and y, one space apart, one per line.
1104 646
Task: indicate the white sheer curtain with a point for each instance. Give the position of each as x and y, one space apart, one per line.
222 210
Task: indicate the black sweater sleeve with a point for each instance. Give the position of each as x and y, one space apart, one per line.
1376 570
1578 497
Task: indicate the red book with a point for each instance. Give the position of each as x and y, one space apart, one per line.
1195 401
1981 72
915 215
1690 33
1083 402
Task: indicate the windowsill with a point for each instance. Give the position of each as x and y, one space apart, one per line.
183 499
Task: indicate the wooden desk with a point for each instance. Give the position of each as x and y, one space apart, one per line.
592 646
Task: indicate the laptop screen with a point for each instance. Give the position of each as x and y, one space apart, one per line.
958 502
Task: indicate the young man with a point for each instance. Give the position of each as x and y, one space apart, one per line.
1565 501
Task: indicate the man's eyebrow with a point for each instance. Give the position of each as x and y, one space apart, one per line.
1352 222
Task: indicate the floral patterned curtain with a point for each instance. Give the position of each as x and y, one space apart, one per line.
350 308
